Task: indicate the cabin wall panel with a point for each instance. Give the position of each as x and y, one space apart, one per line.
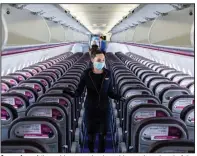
56 31
11 63
142 32
179 62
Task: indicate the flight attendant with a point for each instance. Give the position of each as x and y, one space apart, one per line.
98 82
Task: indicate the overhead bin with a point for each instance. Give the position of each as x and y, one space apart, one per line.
56 32
173 29
130 34
24 28
141 32
69 34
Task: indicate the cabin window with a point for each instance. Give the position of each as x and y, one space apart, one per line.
189 72
184 70
167 64
14 69
2 73
8 71
19 67
174 66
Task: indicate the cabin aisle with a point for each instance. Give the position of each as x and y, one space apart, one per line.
109 148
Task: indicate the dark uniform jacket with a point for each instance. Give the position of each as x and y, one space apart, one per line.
97 99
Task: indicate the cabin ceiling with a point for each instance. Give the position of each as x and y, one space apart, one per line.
99 18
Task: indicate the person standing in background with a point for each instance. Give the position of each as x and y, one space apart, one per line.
94 42
102 45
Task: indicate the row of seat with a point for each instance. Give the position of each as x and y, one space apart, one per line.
153 106
179 77
34 106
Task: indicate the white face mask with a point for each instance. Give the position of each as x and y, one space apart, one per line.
99 65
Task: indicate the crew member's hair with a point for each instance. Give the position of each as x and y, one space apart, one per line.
94 47
96 52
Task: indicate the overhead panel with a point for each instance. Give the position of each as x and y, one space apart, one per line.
173 29
141 32
130 33
56 31
58 14
143 14
24 28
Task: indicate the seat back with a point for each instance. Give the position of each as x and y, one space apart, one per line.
38 68
149 78
66 83
23 146
151 130
178 103
43 129
29 92
131 91
139 113
124 76
58 113
33 70
38 86
11 80
49 77
176 78
155 80
171 74
59 70
69 77
17 100
158 87
55 71
185 81
169 92
25 73
191 87
166 71
127 80
187 115
19 76
8 114
134 101
5 86
172 146
51 73
65 101
44 80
